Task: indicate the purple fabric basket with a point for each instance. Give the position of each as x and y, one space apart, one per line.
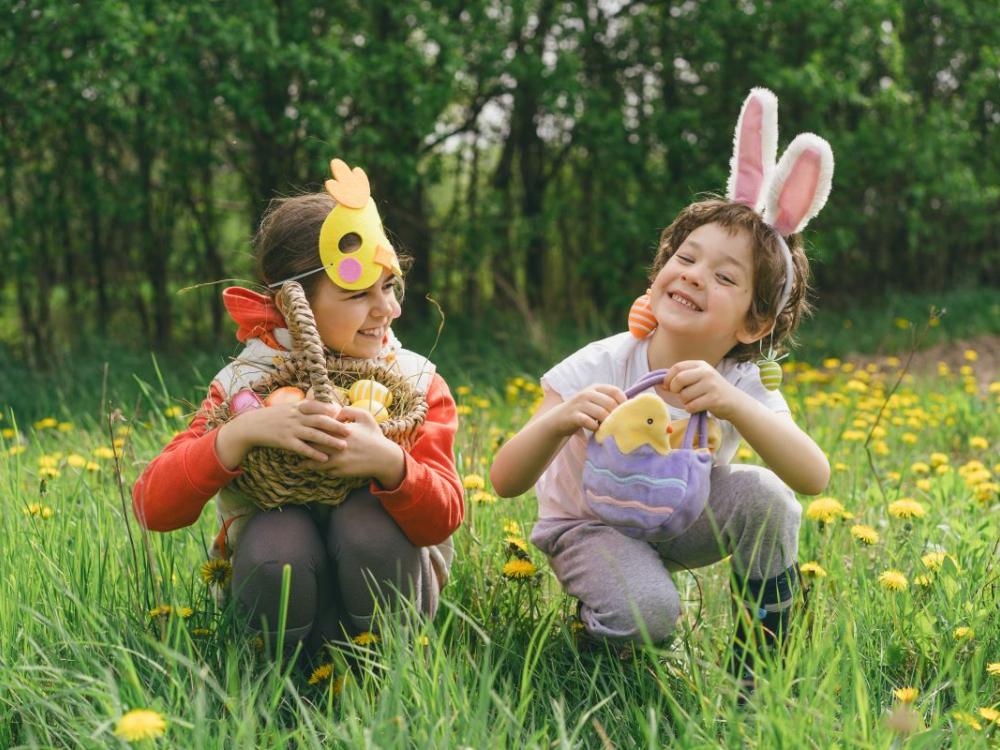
645 494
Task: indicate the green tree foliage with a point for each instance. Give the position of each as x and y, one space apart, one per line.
526 152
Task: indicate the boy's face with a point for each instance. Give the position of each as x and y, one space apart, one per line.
354 323
705 289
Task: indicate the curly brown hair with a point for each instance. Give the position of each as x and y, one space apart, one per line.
287 241
768 268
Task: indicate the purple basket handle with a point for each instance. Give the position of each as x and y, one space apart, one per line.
648 381
697 423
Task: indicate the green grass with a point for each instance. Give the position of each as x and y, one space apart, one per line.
502 666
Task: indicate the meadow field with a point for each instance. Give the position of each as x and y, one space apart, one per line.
897 643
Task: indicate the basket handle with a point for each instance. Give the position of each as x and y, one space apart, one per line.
291 300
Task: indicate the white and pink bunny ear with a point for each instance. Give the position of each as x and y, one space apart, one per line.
755 148
801 184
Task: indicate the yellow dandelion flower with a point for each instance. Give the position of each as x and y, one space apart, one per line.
893 580
964 633
163 610
924 581
942 469
894 476
906 694
463 410
201 632
322 673
864 534
518 568
173 411
934 560
473 482
892 361
938 459
140 724
48 461
92 466
908 437
854 436
103 451
977 442
16 449
463 390
906 507
812 569
986 491
510 526
64 426
484 497
831 363
76 460
516 541
365 639
423 640
37 510
744 453
46 424
825 510
971 355
50 472
902 323
966 718
990 714
993 669
8 433
840 466
216 572
924 485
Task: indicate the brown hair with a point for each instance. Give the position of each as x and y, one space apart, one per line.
287 241
768 268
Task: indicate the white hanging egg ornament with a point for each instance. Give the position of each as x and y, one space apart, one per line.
641 321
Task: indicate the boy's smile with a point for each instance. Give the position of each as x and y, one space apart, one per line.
702 295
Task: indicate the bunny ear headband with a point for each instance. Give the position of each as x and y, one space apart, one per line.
788 195
353 247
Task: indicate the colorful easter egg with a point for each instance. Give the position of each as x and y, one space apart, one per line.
372 389
374 407
641 321
770 373
288 394
244 400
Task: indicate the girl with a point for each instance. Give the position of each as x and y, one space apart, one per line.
390 538
724 278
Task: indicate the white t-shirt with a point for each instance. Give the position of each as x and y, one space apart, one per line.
621 360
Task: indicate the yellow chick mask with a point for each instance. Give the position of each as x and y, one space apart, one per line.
352 243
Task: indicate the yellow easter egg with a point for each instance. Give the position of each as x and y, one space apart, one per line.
770 374
372 389
374 407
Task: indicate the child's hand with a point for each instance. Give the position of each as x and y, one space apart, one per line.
308 428
701 387
366 451
587 408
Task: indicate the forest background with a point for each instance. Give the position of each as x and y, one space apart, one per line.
527 153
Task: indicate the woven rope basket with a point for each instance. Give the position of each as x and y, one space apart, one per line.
273 477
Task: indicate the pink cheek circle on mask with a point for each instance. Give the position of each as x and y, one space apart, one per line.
349 270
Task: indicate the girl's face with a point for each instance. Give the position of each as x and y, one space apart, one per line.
355 323
705 289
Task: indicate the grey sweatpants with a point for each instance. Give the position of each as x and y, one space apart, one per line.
344 559
751 514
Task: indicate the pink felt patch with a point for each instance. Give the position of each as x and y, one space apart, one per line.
349 270
798 191
750 158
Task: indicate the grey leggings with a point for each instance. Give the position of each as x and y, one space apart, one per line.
624 584
343 560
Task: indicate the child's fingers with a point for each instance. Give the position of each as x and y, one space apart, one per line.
310 406
614 392
304 449
327 424
318 438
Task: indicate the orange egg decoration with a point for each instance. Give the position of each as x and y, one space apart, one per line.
288 394
641 321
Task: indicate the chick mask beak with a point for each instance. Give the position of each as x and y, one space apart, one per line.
352 243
